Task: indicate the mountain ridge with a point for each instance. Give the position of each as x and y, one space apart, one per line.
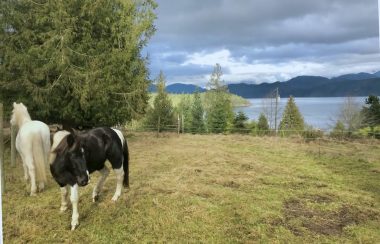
360 84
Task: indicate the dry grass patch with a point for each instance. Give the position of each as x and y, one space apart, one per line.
214 188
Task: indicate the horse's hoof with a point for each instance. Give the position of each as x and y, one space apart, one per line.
95 198
41 187
74 225
114 198
63 209
33 194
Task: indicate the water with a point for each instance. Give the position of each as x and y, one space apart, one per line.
319 112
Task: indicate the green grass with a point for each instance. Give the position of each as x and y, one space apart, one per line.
236 100
214 189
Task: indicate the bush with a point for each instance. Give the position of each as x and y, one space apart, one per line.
311 134
338 131
262 125
370 132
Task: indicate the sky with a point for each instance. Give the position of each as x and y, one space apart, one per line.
258 41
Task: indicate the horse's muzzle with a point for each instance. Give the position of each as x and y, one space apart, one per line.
82 181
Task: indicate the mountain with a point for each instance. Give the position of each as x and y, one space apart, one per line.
179 88
361 84
377 74
310 86
359 76
152 88
183 88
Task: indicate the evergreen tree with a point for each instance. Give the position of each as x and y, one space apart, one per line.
262 125
292 120
240 122
197 112
372 112
219 111
76 62
161 115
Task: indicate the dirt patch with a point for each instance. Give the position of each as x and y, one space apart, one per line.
246 167
301 216
231 184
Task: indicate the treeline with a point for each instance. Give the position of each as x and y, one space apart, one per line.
214 114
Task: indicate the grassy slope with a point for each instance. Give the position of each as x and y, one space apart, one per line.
214 188
236 100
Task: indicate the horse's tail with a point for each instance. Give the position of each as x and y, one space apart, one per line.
39 158
126 164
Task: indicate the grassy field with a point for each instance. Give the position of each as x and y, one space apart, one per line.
214 189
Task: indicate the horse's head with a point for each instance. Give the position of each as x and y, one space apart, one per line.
19 114
77 160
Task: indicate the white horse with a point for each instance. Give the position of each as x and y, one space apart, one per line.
33 145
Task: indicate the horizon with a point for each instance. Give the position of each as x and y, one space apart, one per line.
247 82
263 42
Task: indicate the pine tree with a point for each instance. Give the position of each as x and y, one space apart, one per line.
262 125
292 120
219 111
161 115
197 112
240 122
76 62
372 111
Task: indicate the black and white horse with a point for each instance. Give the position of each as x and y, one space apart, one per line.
74 156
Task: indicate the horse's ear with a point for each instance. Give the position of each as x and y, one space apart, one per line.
72 131
70 140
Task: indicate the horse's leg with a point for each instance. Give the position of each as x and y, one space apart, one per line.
104 173
74 197
26 174
63 198
32 173
119 183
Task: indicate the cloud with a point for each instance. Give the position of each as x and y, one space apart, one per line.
263 40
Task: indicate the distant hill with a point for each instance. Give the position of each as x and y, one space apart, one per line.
310 86
179 88
359 76
361 84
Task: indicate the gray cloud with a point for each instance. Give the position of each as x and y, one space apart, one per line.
263 31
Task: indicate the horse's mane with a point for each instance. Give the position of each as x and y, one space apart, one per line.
20 112
62 146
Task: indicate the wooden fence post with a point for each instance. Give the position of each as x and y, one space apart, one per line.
1 149
13 145
158 125
1 168
183 124
178 125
